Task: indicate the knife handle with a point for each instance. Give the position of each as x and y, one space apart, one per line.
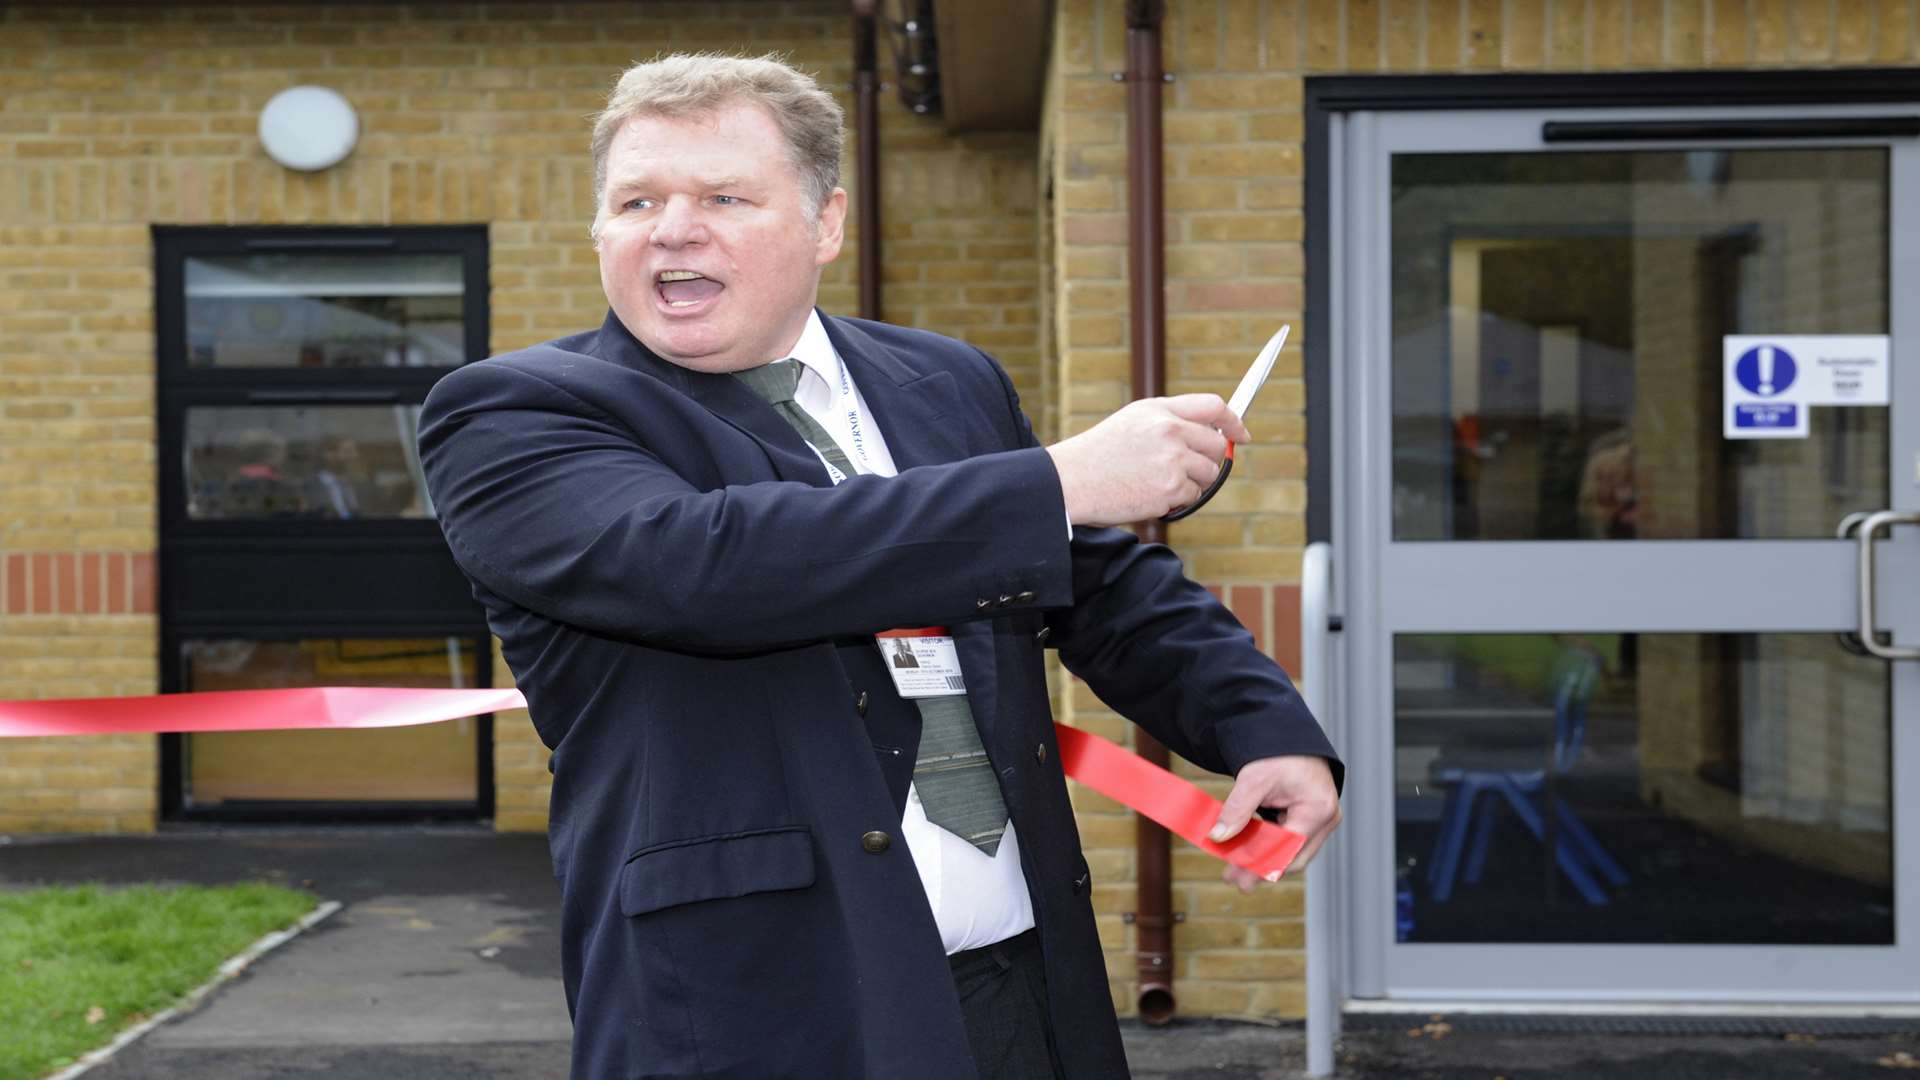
1226 467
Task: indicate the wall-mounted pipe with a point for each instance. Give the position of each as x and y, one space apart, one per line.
1146 289
866 111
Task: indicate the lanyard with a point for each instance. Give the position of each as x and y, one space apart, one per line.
856 430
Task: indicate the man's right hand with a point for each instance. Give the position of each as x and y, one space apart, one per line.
1153 456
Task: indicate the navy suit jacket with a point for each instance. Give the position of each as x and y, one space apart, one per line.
688 603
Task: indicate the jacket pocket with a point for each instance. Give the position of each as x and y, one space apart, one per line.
716 868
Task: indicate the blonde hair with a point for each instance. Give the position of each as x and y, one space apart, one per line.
697 84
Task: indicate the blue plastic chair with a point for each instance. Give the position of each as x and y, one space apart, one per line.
1577 852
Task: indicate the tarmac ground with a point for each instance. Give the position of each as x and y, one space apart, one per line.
443 963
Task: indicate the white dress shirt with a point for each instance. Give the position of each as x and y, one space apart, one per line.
977 898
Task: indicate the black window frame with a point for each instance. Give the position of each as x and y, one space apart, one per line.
401 579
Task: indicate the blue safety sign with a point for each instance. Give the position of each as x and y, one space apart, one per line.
1766 417
1766 370
1774 381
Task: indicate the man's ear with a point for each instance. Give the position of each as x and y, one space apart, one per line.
832 230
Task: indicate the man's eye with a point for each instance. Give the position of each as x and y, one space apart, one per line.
726 200
637 204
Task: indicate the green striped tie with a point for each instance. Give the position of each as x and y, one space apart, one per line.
955 780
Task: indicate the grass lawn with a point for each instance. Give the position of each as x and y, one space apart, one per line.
79 963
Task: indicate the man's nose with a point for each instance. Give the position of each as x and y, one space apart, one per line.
679 224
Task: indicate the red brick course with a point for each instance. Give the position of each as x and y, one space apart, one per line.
78 583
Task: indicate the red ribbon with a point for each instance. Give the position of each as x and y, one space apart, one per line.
252 710
1107 768
1126 777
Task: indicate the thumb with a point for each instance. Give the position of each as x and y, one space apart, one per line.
1241 803
1199 408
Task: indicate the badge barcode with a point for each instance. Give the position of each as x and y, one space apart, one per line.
955 682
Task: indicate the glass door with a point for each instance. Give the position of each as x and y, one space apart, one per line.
1618 386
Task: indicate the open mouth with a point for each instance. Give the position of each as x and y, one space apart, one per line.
682 289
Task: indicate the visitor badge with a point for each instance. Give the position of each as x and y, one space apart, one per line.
922 661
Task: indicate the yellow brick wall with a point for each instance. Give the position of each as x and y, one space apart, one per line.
119 117
1234 168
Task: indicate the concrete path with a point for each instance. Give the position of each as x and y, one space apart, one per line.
443 961
444 964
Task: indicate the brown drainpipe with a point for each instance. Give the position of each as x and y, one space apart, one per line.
1146 284
866 108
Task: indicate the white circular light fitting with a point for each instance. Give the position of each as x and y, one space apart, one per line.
308 128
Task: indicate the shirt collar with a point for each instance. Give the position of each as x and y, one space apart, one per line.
815 352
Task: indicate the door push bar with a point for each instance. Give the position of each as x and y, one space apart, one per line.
1862 527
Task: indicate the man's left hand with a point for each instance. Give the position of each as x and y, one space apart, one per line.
1300 787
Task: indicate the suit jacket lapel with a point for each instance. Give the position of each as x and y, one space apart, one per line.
723 395
914 408
917 412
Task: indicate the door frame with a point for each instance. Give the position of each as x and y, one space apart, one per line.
1341 454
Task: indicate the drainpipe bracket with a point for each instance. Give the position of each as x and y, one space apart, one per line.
1152 922
1123 77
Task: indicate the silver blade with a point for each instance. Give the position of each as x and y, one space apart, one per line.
1257 374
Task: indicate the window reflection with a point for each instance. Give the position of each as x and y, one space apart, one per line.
1691 789
335 462
426 762
328 311
1557 331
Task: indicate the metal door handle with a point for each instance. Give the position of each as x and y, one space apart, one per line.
1849 640
1866 529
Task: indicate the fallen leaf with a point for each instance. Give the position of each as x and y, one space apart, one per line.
1797 1037
1899 1060
489 952
1414 1033
96 1014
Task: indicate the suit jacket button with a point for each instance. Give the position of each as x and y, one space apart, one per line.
1040 636
1040 753
876 842
860 703
1080 882
982 602
1003 601
1025 597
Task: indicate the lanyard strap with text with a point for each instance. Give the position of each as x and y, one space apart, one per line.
856 430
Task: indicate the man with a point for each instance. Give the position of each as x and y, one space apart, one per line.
779 857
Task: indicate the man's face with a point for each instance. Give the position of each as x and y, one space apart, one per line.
709 251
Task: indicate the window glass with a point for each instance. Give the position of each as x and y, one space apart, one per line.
426 762
1694 789
324 311
332 462
1558 321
